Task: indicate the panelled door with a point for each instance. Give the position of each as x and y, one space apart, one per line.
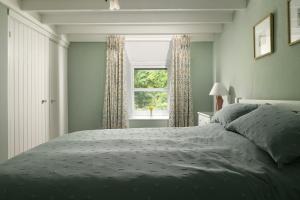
54 90
28 86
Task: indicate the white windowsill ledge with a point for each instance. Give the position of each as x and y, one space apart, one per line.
149 118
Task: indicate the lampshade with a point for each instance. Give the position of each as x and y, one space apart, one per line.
218 90
114 5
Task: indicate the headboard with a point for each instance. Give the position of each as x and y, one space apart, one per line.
293 105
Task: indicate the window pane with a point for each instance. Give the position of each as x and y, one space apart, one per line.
145 100
156 78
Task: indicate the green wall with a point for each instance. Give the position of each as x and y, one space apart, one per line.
272 77
86 80
202 76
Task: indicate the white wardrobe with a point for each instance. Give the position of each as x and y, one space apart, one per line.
36 85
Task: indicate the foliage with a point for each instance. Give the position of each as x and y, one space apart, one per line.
145 100
150 78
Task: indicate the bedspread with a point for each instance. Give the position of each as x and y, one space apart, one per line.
148 164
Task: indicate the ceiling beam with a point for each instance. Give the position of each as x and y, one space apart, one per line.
102 38
192 17
90 5
139 29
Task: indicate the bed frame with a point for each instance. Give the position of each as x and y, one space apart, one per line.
293 105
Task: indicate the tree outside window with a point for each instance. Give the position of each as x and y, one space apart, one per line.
151 90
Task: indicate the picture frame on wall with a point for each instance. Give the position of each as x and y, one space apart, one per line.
294 21
263 34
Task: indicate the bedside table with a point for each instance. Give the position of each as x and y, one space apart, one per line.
204 118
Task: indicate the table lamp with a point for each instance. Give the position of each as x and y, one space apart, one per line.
218 90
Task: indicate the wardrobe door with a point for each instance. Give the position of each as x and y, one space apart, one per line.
35 95
42 90
28 84
54 90
44 65
11 88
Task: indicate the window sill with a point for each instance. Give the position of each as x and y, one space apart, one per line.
149 118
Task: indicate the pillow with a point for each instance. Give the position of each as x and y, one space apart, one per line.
232 112
275 130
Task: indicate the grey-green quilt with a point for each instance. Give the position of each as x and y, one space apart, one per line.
198 163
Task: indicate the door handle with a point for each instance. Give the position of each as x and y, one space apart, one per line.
44 101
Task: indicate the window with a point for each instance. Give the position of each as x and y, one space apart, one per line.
150 91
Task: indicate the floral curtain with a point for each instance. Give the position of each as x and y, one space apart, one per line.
115 114
181 107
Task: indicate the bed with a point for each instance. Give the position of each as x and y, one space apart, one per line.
149 164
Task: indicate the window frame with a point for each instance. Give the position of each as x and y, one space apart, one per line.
145 114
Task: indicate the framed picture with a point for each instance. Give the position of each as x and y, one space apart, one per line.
263 34
294 21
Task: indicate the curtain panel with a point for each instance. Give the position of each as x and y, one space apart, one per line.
181 106
115 113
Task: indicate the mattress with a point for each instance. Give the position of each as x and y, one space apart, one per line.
148 164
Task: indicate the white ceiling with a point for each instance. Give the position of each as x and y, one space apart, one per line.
91 20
